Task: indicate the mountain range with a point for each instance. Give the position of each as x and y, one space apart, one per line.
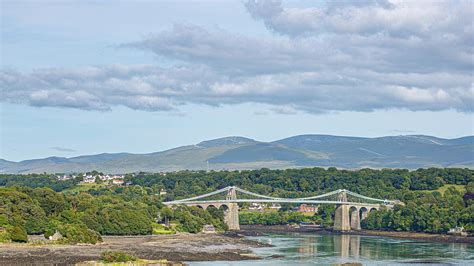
237 153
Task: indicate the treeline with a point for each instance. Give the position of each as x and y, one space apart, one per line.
290 182
37 181
425 210
385 183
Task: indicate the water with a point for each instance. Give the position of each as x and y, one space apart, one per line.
312 249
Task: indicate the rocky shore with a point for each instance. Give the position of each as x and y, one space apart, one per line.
179 247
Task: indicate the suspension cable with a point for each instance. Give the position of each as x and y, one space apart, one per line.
365 197
205 195
276 198
323 195
255 194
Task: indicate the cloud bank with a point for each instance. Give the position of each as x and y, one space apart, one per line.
62 149
345 56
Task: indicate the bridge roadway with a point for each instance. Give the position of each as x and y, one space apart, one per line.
347 217
220 202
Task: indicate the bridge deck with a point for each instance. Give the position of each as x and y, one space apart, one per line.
176 202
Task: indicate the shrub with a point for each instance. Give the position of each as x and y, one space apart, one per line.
116 256
124 220
18 234
76 233
4 237
3 219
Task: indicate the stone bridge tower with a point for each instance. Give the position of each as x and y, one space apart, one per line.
348 215
231 215
341 218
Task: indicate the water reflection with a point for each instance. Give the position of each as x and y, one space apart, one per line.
351 246
310 249
354 248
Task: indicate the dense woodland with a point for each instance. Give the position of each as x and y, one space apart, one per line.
38 203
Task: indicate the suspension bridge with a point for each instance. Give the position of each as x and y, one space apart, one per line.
351 207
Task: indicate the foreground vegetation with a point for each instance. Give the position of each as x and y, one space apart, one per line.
83 217
436 200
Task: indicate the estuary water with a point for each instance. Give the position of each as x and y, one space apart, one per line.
313 249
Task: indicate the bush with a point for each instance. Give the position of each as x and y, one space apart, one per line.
124 220
18 234
116 256
76 233
4 237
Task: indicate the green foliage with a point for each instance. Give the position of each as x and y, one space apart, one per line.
326 214
76 233
80 216
159 229
22 210
124 220
273 218
50 201
17 234
192 219
426 212
4 237
116 256
3 219
36 181
385 183
34 204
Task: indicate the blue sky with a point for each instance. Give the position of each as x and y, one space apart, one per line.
84 77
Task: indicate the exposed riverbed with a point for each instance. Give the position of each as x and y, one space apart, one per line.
182 247
260 246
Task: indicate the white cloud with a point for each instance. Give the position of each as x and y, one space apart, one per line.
62 149
348 56
156 89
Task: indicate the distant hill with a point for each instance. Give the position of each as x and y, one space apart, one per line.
412 151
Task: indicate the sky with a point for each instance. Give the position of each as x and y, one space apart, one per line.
86 77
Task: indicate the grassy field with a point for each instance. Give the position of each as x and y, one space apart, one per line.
159 229
460 188
84 187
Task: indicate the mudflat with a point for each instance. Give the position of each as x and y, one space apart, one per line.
179 247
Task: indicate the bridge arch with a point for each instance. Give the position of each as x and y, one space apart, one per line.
212 206
354 218
363 212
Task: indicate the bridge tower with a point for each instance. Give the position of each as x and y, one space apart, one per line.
231 215
341 218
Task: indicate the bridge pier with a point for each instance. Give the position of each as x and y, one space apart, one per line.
348 217
231 215
341 219
355 218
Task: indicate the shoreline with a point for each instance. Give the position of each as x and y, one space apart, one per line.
251 230
173 248
178 248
